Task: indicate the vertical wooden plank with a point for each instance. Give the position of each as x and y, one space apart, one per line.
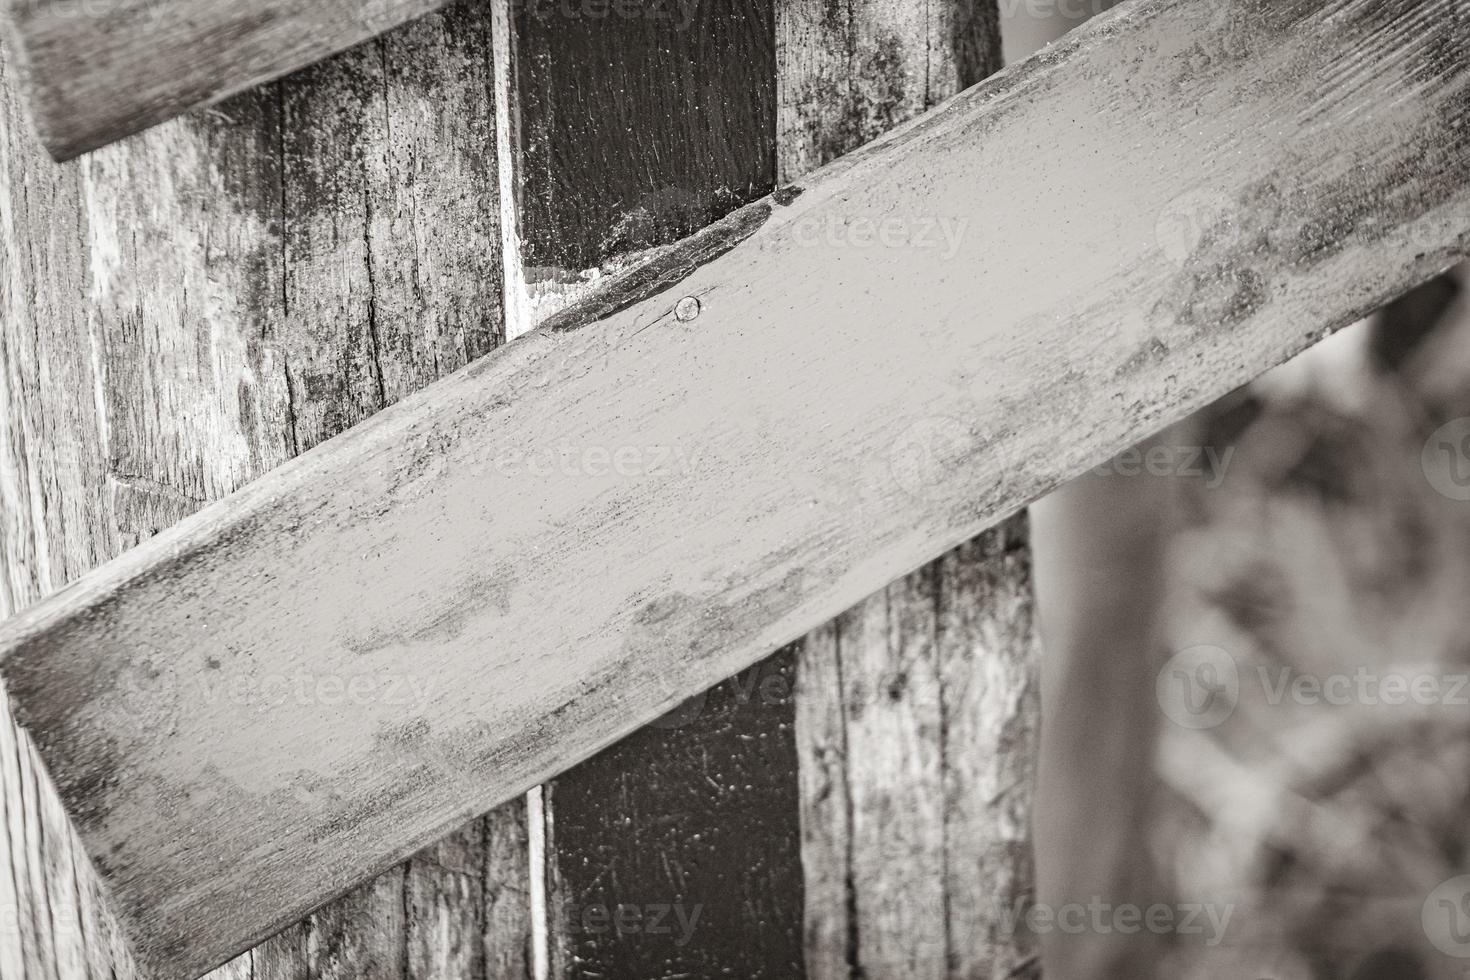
182 300
917 725
52 514
673 853
181 312
56 521
829 925
392 279
895 728
989 663
850 71
917 713
508 933
640 121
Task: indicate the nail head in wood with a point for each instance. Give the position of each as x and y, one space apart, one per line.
687 309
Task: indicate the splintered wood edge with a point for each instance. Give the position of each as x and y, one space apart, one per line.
95 72
1216 207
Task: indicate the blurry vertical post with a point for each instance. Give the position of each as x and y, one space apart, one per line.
1099 546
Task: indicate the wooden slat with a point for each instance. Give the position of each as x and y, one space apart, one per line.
383 148
553 612
917 721
849 74
99 71
639 128
673 852
917 710
258 278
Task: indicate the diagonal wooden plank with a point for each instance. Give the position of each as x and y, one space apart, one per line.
439 537
98 70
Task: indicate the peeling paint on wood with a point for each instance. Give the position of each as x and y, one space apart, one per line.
801 506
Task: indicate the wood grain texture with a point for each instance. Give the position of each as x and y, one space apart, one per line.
917 718
673 852
988 661
99 70
851 72
227 320
53 526
918 709
636 124
438 539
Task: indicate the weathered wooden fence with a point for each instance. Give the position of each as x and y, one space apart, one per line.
183 311
310 217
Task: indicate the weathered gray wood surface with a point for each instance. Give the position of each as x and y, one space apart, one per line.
1186 325
917 720
182 312
97 70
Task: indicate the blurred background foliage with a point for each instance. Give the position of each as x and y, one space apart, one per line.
1331 547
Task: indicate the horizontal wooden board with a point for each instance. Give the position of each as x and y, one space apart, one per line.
498 576
99 70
